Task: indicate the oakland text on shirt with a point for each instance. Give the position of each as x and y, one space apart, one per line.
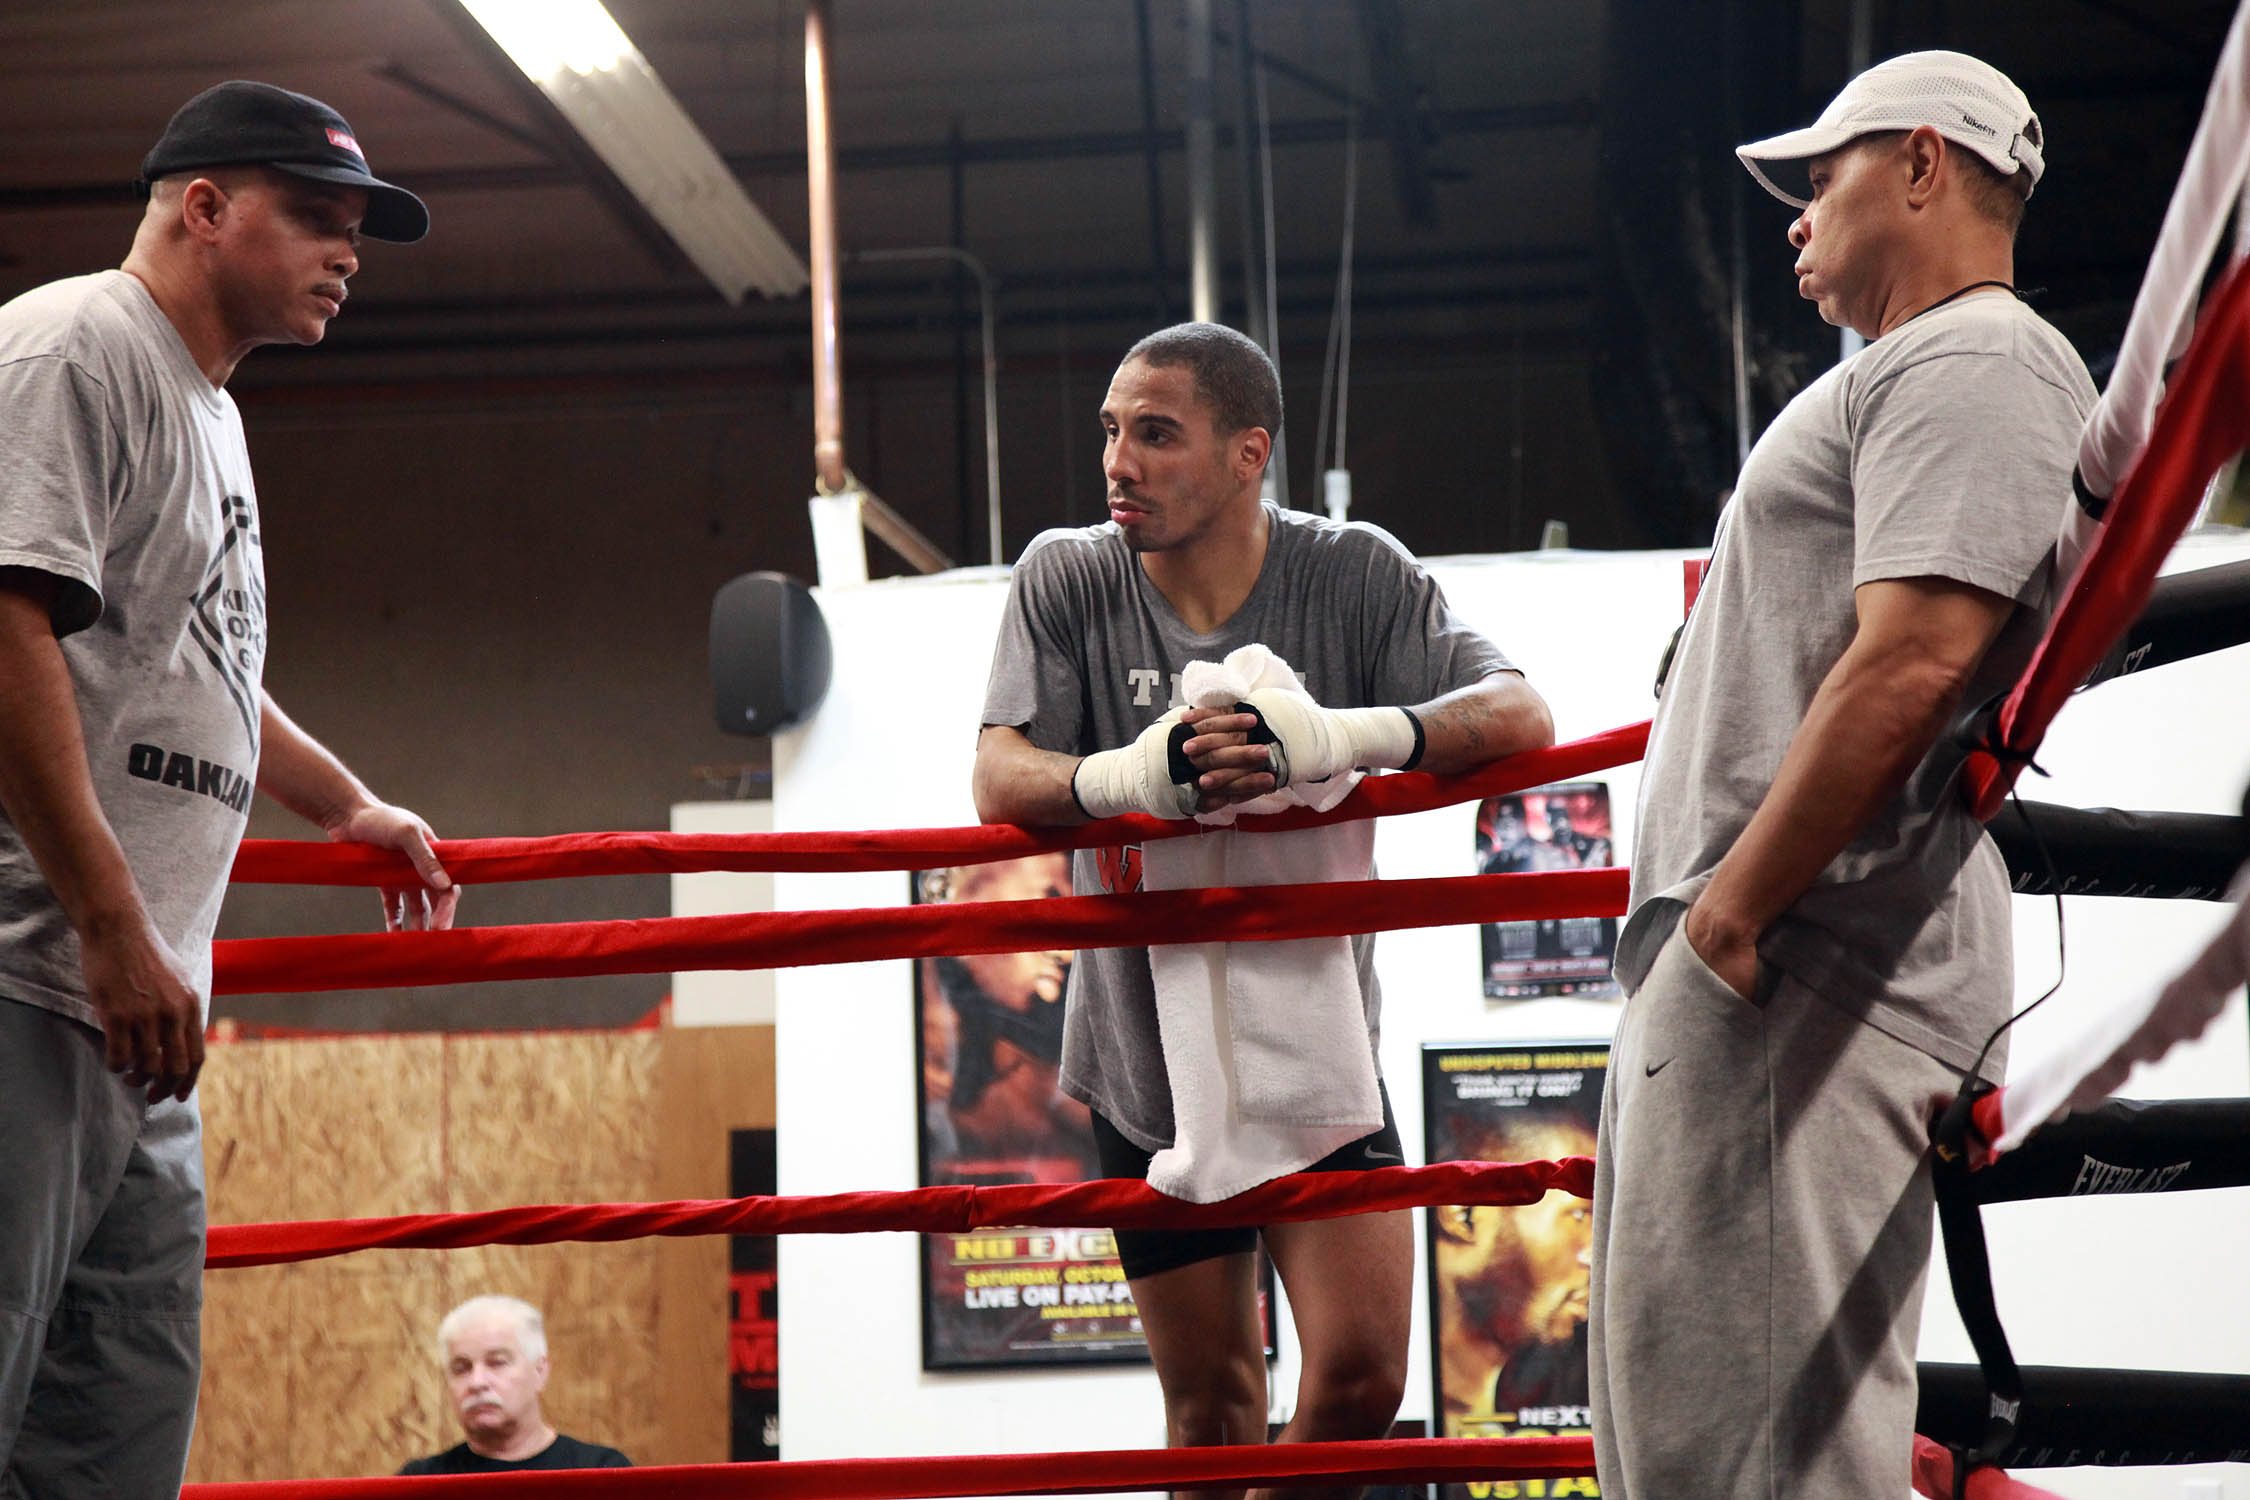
203 778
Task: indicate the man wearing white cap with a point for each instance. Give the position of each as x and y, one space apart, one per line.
1819 942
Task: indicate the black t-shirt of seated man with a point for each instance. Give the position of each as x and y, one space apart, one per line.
563 1453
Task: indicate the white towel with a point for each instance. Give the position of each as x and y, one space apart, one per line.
1266 1043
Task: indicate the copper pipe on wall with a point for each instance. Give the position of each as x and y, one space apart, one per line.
820 182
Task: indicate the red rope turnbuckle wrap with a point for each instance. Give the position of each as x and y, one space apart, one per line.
2203 422
1411 1461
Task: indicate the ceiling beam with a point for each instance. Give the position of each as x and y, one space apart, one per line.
1559 114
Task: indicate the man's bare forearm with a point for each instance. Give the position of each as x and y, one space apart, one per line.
46 785
1017 782
303 775
1876 715
1498 716
1860 740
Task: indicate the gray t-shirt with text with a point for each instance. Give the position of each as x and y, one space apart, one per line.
124 475
1090 654
1942 450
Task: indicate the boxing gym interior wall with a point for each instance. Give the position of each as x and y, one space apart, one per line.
2146 1282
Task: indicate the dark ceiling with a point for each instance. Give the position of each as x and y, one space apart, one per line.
1549 173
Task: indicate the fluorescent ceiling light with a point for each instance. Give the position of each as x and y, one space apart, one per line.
597 78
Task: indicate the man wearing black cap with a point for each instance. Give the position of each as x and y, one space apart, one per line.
1819 943
133 728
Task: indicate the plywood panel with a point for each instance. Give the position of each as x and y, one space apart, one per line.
363 1120
244 1105
329 1368
517 1132
714 1080
249 1339
361 1401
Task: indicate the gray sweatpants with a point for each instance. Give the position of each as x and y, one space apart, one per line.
1762 1228
101 1270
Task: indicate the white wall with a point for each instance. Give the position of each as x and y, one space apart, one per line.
892 748
726 997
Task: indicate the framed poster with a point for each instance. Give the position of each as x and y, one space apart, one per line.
1562 826
1508 1286
988 1047
989 1043
753 1309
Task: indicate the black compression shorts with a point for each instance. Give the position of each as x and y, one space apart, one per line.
1145 1252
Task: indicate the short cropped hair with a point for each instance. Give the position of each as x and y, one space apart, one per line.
1994 195
1997 197
1233 377
531 1329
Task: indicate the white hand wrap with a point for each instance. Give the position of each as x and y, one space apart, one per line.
1136 777
1312 743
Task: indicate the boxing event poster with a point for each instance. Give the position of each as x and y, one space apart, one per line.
989 1029
1508 1286
753 1308
1562 826
988 1041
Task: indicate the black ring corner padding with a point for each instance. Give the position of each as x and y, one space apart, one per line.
2187 614
2124 1146
2105 851
2073 1416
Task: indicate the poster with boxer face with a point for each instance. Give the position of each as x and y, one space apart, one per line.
1562 826
1508 1286
989 1042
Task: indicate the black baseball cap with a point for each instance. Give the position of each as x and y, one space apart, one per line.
244 124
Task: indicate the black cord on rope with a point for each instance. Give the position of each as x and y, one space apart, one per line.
1969 1266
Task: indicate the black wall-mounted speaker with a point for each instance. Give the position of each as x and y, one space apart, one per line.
770 655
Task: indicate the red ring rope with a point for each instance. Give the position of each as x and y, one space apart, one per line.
1104 1203
1412 1460
767 940
496 861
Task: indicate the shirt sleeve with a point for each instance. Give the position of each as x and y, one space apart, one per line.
1416 648
57 461
1038 670
1961 470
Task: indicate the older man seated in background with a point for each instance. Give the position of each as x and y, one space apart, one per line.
494 1351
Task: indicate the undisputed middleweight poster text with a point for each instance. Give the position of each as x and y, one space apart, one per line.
1508 1286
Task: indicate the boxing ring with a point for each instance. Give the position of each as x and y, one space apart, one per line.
798 938
2143 474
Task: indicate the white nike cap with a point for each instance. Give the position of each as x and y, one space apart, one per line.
1970 103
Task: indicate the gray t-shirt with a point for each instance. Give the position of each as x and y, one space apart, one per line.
123 474
1943 450
1090 654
